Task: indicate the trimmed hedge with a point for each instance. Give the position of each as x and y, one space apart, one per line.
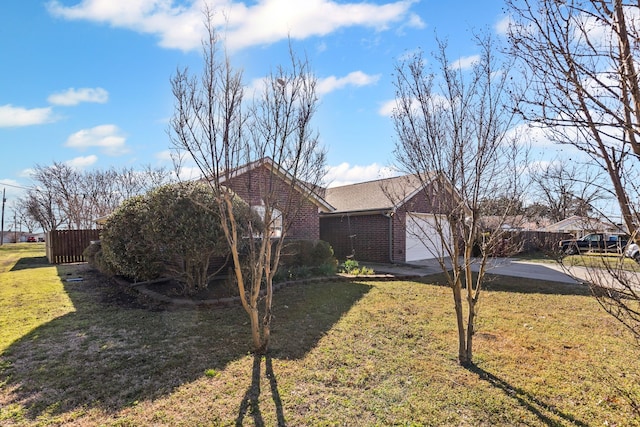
174 230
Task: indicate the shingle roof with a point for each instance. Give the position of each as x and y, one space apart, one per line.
381 194
306 188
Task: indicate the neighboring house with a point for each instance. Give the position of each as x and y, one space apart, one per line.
387 220
253 181
513 223
579 226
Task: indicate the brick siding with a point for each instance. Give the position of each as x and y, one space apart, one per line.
365 237
254 184
370 233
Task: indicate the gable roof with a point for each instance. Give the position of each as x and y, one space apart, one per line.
580 224
281 172
379 195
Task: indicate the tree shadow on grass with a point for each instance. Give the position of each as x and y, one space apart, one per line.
111 352
31 262
546 413
522 285
250 404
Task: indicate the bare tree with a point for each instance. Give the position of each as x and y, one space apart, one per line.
581 57
272 136
453 132
42 207
567 189
21 210
64 196
63 184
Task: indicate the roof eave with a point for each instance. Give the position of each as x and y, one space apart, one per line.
361 212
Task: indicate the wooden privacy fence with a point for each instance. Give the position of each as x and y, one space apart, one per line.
66 246
537 240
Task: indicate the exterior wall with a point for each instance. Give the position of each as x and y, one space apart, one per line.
252 185
421 202
369 241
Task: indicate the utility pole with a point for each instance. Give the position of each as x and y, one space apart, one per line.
2 220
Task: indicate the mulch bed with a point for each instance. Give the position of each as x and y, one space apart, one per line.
217 289
220 293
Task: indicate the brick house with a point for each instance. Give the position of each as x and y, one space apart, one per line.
257 179
387 220
384 220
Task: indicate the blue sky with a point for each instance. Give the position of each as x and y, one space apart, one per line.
87 81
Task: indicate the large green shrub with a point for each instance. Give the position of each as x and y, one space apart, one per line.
306 258
95 258
184 227
173 230
126 247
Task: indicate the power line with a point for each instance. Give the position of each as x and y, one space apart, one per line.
17 186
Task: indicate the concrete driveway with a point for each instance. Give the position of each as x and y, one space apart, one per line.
552 271
503 266
549 271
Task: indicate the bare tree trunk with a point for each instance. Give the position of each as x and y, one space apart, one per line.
462 341
455 138
272 136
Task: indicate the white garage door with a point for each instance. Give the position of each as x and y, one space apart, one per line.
423 240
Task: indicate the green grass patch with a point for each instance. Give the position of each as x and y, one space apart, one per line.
605 261
363 353
31 292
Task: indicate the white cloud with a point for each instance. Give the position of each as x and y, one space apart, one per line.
355 78
502 26
265 22
321 47
464 62
188 173
415 21
26 173
325 85
272 20
437 101
74 96
183 162
165 156
11 116
409 54
82 162
107 137
345 174
387 108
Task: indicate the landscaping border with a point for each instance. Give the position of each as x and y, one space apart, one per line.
143 289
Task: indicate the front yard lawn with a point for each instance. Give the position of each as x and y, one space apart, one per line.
362 353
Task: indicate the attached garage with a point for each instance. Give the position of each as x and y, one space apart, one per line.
388 220
423 239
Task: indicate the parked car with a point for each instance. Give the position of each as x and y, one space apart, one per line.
31 239
595 242
633 251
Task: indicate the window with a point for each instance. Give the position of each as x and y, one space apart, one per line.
276 219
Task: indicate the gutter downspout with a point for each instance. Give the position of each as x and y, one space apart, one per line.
390 216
